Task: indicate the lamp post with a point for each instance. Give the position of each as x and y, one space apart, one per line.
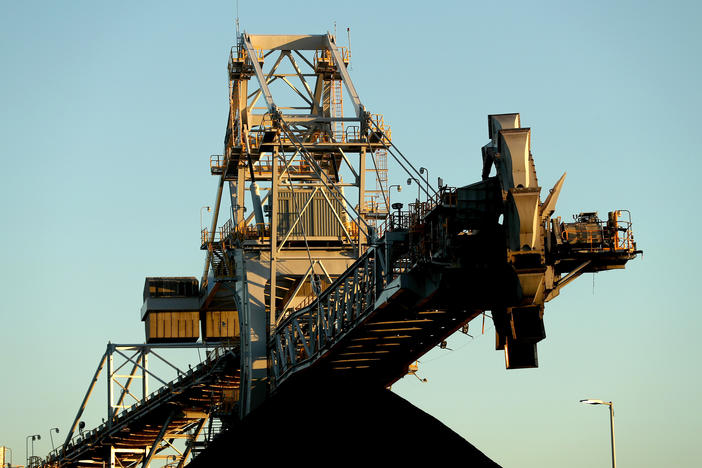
399 189
52 437
611 423
202 235
422 170
203 208
10 450
409 182
26 446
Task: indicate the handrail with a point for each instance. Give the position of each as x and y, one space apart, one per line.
404 220
303 335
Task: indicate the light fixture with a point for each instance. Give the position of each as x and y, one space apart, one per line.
591 401
595 402
208 210
52 437
26 446
422 170
409 182
399 189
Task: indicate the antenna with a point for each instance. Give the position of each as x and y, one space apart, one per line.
237 20
348 38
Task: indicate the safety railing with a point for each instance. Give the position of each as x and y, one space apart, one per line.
396 220
325 56
308 333
345 54
217 162
379 122
623 232
375 202
255 136
265 165
205 236
401 265
238 54
624 241
116 362
446 196
304 303
406 220
352 133
228 233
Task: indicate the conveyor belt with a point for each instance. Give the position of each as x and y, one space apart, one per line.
177 409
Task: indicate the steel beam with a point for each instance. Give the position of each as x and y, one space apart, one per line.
341 68
76 420
262 82
159 437
189 445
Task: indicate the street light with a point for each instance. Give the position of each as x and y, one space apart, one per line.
399 189
10 462
208 210
26 446
611 423
422 170
409 182
202 233
52 437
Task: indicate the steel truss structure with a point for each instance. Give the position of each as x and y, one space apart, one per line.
298 146
325 281
142 427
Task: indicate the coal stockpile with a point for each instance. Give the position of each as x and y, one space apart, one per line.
338 424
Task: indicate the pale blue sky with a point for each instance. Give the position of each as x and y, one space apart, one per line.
109 112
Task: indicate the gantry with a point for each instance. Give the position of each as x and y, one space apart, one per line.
287 134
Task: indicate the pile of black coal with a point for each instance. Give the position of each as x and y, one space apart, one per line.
338 424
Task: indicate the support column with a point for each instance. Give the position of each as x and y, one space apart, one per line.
232 201
159 438
273 200
239 214
191 442
361 197
144 374
76 420
252 273
110 364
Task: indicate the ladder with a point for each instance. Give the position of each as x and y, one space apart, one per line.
377 171
337 110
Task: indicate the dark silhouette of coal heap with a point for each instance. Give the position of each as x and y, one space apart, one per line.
337 423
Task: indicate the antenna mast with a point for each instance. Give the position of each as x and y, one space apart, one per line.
237 20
